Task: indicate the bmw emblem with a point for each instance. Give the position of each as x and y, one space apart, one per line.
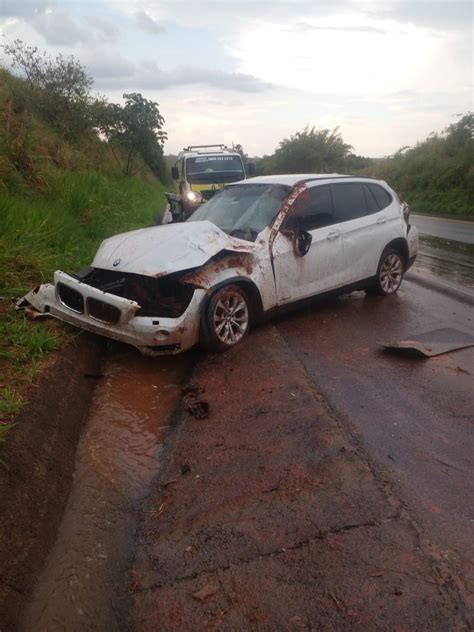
116 262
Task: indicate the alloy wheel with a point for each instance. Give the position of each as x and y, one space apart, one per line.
230 317
391 273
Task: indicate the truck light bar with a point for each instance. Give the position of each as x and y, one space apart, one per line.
193 147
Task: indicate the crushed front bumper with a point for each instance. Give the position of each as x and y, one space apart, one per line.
89 308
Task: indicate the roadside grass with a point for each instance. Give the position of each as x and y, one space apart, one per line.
59 228
10 404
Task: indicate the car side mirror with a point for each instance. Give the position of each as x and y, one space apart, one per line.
175 173
302 242
251 168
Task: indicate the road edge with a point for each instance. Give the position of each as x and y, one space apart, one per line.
450 289
37 470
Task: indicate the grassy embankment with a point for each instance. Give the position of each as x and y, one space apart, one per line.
57 203
437 175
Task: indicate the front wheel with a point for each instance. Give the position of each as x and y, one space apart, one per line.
227 318
389 273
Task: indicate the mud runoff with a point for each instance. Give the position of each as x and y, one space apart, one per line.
117 458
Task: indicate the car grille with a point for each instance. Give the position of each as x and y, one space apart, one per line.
70 298
104 312
164 296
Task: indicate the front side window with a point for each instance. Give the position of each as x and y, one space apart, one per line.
313 209
243 210
214 169
349 201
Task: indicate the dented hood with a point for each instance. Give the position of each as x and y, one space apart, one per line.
166 249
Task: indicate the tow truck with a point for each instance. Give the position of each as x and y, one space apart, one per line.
200 171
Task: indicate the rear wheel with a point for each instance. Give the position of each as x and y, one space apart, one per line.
227 318
389 273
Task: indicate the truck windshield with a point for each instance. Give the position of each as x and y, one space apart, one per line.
243 210
204 169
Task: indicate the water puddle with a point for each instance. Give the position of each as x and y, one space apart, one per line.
118 457
450 259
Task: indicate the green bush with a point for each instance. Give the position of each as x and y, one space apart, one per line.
436 176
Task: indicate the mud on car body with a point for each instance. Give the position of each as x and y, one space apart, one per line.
258 245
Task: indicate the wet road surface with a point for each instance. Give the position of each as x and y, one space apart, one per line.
330 487
414 415
449 229
446 248
118 457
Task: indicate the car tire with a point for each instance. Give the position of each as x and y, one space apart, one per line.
226 320
389 273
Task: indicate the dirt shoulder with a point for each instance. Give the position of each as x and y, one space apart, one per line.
281 522
36 475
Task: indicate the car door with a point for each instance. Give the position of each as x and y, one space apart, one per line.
322 267
364 228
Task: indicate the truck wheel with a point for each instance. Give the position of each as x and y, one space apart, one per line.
226 318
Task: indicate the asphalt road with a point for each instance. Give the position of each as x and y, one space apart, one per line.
446 249
452 230
415 416
330 488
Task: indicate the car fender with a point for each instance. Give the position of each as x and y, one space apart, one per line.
238 268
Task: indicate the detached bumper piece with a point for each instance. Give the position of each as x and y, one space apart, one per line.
158 316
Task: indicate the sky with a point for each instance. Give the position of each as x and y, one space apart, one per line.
386 72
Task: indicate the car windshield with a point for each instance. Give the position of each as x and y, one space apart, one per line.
243 210
214 169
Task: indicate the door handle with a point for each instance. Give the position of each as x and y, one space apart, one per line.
333 235
381 220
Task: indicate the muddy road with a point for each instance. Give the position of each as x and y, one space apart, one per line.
331 486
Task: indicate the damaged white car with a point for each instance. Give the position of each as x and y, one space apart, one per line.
256 246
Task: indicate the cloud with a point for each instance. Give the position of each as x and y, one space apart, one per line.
305 27
25 9
353 54
438 14
109 70
106 29
146 23
59 29
56 25
119 74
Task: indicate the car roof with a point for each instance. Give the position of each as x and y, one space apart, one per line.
293 178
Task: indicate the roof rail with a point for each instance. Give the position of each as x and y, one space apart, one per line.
193 147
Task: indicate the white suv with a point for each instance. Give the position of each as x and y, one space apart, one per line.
256 246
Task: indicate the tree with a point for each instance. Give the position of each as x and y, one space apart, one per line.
60 87
136 128
245 159
311 151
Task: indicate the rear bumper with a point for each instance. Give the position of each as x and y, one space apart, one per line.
412 241
151 335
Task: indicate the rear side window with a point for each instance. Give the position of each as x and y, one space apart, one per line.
372 205
382 196
349 201
313 209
